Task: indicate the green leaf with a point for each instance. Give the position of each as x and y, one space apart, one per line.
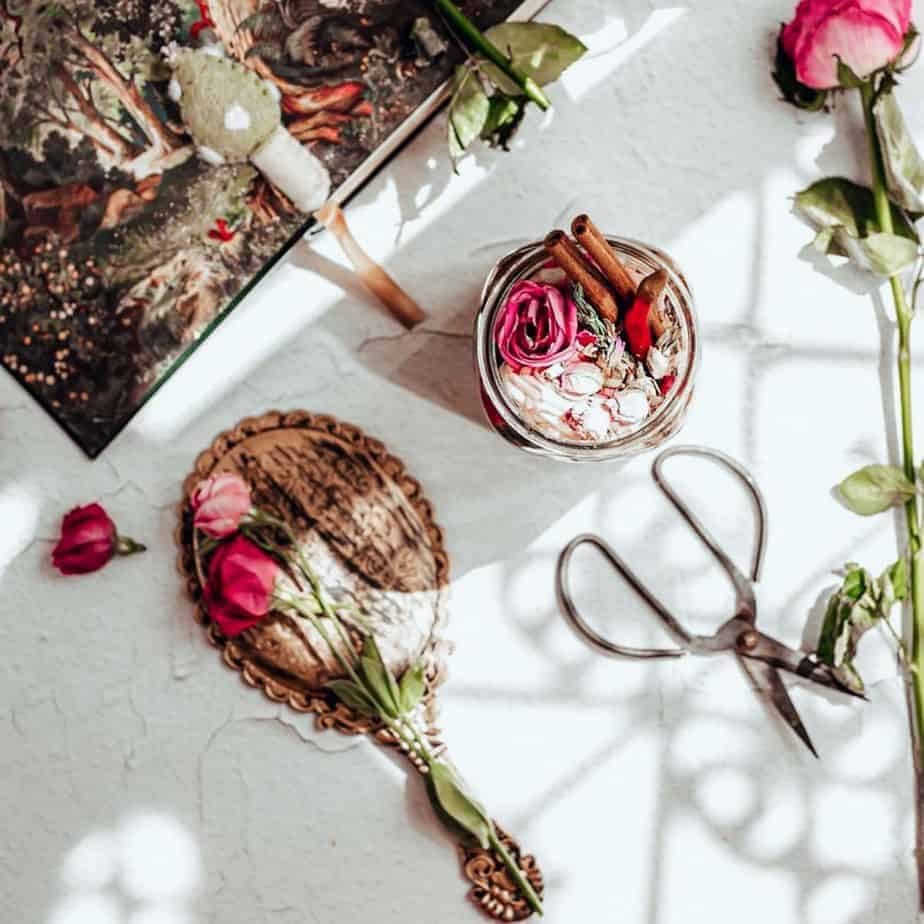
895 580
844 214
505 116
904 166
376 679
855 583
910 51
380 679
854 608
784 75
543 51
468 111
846 77
354 696
889 254
449 793
412 687
875 488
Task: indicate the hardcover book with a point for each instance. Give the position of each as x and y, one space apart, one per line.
121 247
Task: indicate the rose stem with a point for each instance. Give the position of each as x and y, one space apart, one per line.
373 276
904 315
414 741
480 42
589 236
564 252
525 886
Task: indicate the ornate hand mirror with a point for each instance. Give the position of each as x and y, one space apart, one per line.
369 532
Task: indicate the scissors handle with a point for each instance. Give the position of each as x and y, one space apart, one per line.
588 633
743 585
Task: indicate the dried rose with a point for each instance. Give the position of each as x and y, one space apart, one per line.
537 326
89 539
219 504
865 34
241 581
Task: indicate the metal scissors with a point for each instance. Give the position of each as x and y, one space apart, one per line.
760 656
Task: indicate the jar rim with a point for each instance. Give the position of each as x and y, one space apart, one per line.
517 265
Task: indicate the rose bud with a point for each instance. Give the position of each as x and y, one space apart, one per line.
537 326
219 504
239 590
88 540
866 35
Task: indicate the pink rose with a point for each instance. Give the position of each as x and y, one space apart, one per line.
219 504
537 326
89 539
239 590
865 34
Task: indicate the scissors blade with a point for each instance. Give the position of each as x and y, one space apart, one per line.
767 682
800 663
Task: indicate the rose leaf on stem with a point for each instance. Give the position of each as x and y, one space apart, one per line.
844 215
541 50
854 608
901 160
875 488
468 111
381 682
412 687
486 103
354 696
447 792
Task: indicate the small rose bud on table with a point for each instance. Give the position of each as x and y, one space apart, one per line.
89 539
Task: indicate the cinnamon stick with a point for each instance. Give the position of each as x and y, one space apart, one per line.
373 276
565 253
589 236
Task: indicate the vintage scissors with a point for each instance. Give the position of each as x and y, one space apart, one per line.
760 656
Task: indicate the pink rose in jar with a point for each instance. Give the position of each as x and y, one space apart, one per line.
537 326
865 34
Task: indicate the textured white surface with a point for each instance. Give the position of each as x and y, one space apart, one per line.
143 783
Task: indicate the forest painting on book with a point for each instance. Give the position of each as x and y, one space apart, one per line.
120 247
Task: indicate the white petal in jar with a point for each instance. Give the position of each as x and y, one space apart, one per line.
550 276
582 379
538 402
594 419
633 405
658 363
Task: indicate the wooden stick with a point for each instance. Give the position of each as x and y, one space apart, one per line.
589 236
565 253
374 278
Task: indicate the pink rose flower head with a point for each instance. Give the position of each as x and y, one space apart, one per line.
219 504
537 326
865 34
239 591
89 539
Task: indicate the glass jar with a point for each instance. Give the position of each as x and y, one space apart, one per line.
640 260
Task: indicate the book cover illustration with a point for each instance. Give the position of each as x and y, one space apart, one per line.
120 246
